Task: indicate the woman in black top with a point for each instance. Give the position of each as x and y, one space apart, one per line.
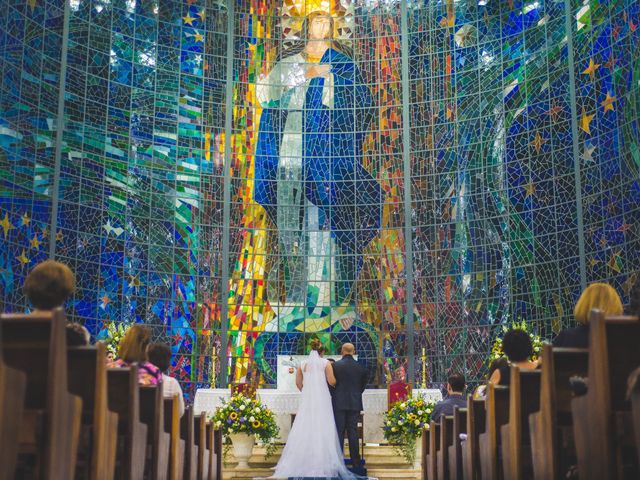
597 295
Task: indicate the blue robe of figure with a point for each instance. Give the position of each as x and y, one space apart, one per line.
348 197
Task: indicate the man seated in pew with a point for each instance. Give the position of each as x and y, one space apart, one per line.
133 349
518 349
160 355
77 335
455 397
597 295
49 285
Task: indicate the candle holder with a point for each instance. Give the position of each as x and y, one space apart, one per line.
423 385
212 377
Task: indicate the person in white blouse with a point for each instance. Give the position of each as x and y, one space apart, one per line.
160 355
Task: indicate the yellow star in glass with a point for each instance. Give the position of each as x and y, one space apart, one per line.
530 189
585 121
45 231
188 19
201 14
32 4
538 142
59 236
6 225
25 219
35 242
607 103
198 37
591 69
23 257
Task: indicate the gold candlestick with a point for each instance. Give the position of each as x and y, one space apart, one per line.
214 358
424 369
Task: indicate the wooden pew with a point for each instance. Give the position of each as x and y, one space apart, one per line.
201 441
424 450
634 396
432 453
152 414
524 392
13 385
214 444
188 434
446 440
551 427
218 446
176 443
87 374
455 450
124 399
476 424
36 345
602 417
497 406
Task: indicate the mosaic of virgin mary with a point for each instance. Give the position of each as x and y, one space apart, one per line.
310 179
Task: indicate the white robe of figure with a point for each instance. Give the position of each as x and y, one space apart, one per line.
308 248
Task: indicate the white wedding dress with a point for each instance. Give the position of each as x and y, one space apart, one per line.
313 448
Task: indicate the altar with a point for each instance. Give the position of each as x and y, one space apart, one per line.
284 403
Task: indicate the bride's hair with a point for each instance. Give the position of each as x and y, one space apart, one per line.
316 345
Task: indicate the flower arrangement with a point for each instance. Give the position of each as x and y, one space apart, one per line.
404 422
241 414
496 349
112 335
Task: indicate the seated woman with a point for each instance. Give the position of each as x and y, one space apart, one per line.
497 363
518 349
49 285
597 295
132 350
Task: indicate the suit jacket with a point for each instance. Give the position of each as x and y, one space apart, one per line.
351 380
445 407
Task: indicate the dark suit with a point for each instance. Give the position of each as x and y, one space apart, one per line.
351 380
445 407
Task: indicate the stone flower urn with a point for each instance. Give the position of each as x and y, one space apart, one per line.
242 448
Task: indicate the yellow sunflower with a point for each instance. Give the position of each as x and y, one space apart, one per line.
233 415
256 424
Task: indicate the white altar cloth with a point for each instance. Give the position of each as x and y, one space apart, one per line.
283 404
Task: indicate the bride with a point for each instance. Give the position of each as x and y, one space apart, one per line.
313 448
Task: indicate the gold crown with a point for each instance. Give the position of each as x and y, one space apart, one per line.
302 8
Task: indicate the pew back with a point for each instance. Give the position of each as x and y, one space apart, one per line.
187 433
152 414
124 399
36 344
476 423
88 379
455 452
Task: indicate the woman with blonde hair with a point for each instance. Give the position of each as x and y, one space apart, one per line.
133 350
597 295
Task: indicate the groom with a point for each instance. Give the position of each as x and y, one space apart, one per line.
351 380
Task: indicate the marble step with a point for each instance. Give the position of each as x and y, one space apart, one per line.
380 474
382 462
379 455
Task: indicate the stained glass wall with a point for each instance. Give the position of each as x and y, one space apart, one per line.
465 164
